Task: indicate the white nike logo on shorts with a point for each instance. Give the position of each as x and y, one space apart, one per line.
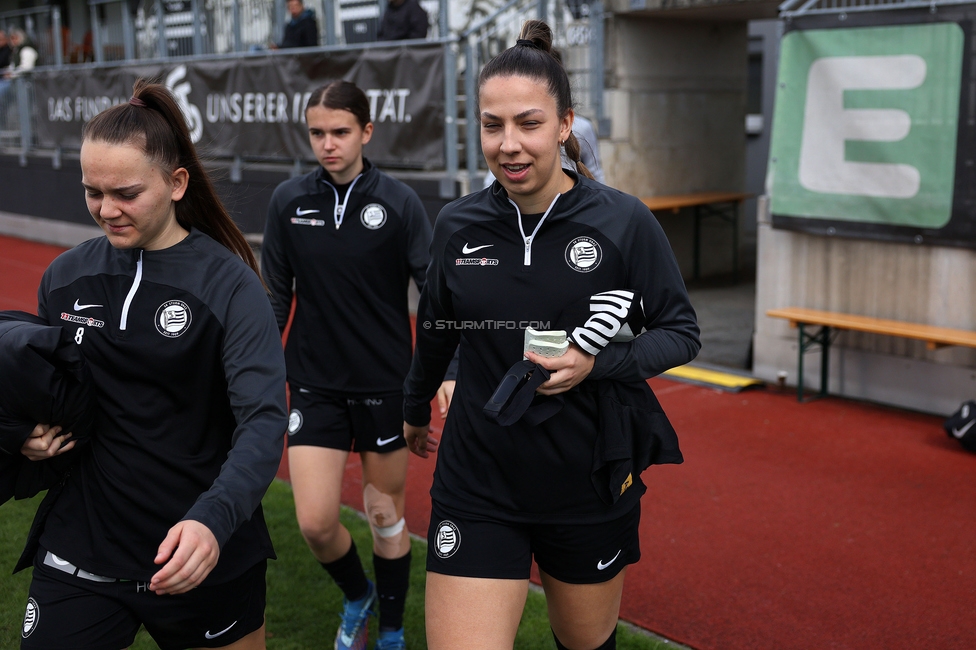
600 565
216 634
959 433
385 441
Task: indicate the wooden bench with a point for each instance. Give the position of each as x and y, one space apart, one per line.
934 337
724 205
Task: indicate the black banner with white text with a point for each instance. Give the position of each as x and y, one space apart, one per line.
254 106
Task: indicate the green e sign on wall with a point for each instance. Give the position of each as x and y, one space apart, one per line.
866 125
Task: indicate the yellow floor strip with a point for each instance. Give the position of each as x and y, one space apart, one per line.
712 377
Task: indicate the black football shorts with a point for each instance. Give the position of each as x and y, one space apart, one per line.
68 608
482 546
345 422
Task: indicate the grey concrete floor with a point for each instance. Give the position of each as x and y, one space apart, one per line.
726 316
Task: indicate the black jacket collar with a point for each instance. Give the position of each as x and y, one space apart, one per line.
368 174
499 195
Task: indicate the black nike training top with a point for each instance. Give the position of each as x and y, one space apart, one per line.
349 260
190 379
486 283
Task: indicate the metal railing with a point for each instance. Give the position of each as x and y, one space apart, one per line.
197 27
40 24
16 103
123 32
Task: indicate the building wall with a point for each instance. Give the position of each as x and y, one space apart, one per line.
923 284
676 99
676 102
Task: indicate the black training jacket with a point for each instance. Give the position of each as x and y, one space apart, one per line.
487 283
351 330
190 380
302 31
403 21
43 380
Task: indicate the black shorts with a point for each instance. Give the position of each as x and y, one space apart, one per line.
348 423
68 611
479 546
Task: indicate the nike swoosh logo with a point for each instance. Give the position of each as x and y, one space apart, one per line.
600 565
78 307
216 634
381 441
959 433
468 251
299 212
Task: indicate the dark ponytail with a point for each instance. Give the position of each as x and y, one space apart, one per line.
153 120
533 57
572 147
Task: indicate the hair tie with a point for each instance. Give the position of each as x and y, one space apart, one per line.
526 42
135 101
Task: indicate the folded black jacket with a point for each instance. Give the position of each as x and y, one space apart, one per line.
635 433
43 379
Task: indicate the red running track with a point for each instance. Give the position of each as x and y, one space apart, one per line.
832 524
21 265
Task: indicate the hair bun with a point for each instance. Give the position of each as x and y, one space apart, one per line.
537 34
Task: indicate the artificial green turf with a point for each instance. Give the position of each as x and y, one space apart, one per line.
303 602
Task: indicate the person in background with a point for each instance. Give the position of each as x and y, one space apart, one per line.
302 30
6 52
344 241
403 19
24 56
6 56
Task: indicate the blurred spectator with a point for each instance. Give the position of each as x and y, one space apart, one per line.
301 30
22 58
403 19
6 56
6 52
24 55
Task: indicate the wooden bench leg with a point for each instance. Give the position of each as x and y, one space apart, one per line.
824 359
807 342
799 364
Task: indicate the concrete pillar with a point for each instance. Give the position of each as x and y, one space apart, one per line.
676 96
